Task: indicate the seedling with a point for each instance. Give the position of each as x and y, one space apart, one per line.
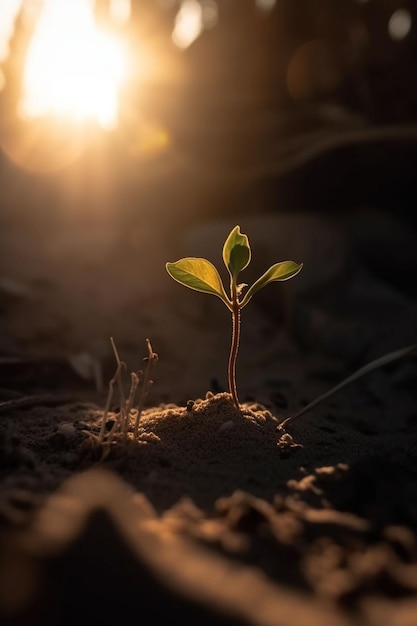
201 275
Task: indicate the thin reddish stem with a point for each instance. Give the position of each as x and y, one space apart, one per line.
234 346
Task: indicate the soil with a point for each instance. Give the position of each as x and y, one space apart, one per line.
212 513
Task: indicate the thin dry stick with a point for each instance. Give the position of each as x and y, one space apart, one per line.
383 360
147 382
36 400
123 418
135 378
110 393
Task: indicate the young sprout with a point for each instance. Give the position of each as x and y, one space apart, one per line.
201 275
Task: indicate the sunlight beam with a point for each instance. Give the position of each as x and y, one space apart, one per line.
74 69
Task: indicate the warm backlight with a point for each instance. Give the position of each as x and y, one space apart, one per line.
74 69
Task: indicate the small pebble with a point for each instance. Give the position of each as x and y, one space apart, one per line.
226 426
67 430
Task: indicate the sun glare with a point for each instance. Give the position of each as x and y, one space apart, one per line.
73 69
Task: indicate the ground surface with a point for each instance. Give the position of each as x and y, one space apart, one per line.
214 514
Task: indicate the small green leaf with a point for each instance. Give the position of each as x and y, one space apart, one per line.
236 252
278 272
199 274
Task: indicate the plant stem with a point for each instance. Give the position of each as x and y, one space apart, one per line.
234 346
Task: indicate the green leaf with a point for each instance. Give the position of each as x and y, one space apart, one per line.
278 272
236 252
198 274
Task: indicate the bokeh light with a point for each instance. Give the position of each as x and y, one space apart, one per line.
311 70
188 23
399 24
265 5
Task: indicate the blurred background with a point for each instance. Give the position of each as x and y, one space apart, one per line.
134 132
